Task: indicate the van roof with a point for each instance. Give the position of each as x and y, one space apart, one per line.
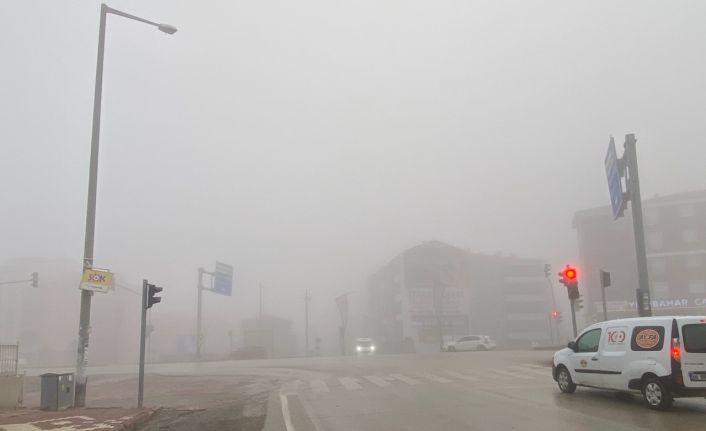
652 319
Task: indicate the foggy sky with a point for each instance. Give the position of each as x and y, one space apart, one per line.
306 143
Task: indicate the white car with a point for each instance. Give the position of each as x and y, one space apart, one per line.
364 346
662 357
471 342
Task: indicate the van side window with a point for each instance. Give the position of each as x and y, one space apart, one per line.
647 338
588 342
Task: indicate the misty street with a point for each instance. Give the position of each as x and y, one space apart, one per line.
333 215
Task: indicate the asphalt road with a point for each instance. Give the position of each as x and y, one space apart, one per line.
500 390
461 391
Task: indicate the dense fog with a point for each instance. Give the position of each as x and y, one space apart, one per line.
308 143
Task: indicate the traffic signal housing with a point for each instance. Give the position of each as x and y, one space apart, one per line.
579 302
547 270
153 290
569 278
35 279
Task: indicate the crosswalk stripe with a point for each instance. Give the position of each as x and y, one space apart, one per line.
542 372
543 367
509 374
484 374
435 378
461 376
408 380
377 381
318 386
350 383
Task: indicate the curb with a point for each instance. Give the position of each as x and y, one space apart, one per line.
138 419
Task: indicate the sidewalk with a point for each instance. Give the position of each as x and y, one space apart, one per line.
98 419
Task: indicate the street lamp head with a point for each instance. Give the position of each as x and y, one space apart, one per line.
169 29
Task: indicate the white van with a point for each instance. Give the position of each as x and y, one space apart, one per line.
662 357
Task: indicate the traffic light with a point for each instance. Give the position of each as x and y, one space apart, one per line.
579 303
556 314
547 270
152 290
569 278
35 279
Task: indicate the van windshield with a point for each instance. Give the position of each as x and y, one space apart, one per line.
695 338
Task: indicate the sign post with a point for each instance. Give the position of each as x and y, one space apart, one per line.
222 284
615 170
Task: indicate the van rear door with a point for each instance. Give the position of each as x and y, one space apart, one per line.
693 351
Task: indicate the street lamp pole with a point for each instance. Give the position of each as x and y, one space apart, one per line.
85 313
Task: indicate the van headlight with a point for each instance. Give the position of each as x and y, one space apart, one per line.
372 348
358 348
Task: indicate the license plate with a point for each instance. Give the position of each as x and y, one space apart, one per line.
699 376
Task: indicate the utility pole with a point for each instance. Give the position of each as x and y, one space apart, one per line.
633 185
260 302
307 298
199 336
553 324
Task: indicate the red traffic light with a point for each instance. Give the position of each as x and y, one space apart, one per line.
570 273
556 314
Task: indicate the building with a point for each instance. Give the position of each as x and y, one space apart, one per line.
675 237
436 291
272 334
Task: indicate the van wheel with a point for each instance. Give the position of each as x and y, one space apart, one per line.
563 379
656 394
481 347
451 349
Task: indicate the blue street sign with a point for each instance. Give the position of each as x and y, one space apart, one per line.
615 183
223 279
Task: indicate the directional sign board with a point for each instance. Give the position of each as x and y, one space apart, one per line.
615 184
223 279
97 280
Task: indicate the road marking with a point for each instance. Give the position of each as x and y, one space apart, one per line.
456 375
378 381
539 367
546 372
483 374
435 378
349 383
509 374
285 411
408 380
318 386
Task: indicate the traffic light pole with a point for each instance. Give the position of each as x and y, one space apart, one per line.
143 327
633 184
573 316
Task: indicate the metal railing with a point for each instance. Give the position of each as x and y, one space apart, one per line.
9 358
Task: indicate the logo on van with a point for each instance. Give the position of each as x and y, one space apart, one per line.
584 363
616 337
647 338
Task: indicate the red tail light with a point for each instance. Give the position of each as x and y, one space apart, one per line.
676 349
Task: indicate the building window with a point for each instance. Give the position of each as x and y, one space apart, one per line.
687 210
697 287
660 290
658 266
690 235
651 216
693 261
654 241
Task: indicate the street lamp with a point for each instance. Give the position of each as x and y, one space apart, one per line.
85 313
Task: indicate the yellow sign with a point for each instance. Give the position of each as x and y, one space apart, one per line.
97 280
